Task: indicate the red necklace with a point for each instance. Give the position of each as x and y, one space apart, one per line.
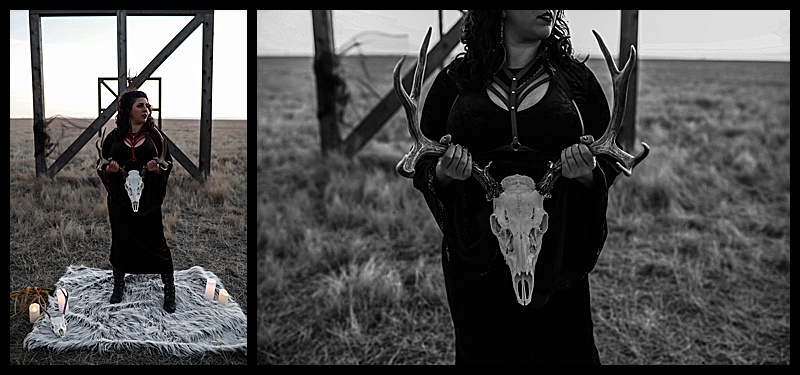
132 139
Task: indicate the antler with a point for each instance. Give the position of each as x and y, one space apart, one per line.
607 145
161 162
423 146
66 299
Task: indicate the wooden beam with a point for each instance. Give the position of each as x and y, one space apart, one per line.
84 137
79 13
325 62
629 36
184 160
390 103
166 51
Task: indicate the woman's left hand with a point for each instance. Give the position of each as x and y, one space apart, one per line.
152 166
578 162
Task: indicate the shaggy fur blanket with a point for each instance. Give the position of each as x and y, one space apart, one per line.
139 322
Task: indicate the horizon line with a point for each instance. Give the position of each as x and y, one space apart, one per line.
591 57
163 118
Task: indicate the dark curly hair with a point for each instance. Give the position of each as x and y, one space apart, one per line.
123 119
485 53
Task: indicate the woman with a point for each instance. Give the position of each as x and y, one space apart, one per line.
518 98
137 238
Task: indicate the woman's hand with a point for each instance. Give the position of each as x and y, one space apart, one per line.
112 166
455 164
152 166
577 162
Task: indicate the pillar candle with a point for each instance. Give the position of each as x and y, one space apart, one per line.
62 301
211 284
33 312
223 297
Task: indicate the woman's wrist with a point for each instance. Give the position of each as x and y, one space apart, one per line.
441 179
586 180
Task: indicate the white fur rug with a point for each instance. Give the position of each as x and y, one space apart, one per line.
139 322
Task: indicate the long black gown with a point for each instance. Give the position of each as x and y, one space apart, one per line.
138 245
490 325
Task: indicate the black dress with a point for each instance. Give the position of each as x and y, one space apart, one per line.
490 325
137 238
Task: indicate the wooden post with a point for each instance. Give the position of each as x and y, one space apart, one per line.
122 52
390 103
441 32
39 135
325 62
629 36
205 98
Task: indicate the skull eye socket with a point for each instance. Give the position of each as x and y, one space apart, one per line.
508 234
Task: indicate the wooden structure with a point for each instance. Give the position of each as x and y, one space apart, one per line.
629 36
325 63
388 106
201 17
101 82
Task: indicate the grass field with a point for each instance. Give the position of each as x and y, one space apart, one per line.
695 270
63 221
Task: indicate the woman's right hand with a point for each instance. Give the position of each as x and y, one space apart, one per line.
455 164
112 166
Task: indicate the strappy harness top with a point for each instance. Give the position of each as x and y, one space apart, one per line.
517 85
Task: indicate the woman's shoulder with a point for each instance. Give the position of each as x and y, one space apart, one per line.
113 134
576 71
153 131
443 80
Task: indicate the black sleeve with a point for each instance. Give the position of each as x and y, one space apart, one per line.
105 153
435 111
586 213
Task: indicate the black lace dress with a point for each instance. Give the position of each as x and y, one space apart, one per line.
550 108
137 238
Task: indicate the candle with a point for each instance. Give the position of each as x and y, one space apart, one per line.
223 297
210 285
33 312
62 301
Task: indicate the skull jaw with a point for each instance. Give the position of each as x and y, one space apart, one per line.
523 287
135 206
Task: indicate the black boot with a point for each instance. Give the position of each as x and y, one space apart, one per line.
119 286
169 292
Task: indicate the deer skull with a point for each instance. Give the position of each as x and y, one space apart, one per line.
59 323
134 185
519 223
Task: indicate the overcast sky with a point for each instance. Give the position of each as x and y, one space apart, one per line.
79 50
683 34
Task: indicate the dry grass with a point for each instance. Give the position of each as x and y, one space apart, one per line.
62 221
695 269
